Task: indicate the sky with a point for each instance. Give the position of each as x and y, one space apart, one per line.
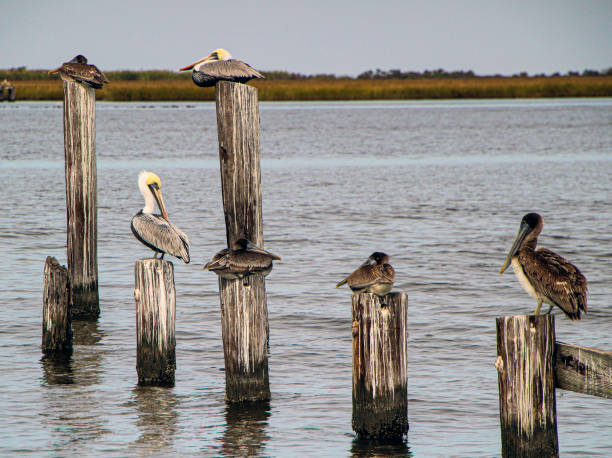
333 36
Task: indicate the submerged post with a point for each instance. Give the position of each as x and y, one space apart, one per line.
57 319
81 197
155 322
244 312
380 369
527 405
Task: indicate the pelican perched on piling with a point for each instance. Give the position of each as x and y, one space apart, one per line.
156 231
545 275
374 276
78 70
244 258
219 66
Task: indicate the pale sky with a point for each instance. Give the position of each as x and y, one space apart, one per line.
333 36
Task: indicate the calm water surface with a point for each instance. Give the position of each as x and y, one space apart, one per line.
440 186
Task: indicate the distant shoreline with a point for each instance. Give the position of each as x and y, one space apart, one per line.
313 89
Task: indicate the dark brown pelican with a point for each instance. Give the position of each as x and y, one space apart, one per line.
545 275
373 276
80 71
243 259
218 66
155 231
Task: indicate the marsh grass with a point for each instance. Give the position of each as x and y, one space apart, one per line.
339 89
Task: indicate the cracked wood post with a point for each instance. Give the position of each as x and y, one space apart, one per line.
155 322
527 406
81 197
57 319
380 368
244 312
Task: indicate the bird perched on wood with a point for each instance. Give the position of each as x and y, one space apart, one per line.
80 71
219 66
156 231
545 275
244 258
375 276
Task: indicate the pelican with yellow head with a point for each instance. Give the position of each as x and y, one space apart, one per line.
220 66
156 231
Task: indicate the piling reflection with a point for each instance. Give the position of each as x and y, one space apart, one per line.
365 448
157 416
245 432
57 369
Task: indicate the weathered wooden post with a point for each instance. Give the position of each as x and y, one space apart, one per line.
244 311
527 405
81 197
155 322
11 94
380 369
57 318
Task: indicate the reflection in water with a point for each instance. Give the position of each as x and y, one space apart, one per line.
245 431
157 416
57 369
366 448
86 332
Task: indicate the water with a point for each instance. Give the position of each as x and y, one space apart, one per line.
440 186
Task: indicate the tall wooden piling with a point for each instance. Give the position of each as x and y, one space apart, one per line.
380 369
81 197
57 317
244 310
155 322
527 405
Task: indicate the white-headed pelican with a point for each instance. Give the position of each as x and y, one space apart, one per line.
155 231
243 259
80 71
545 275
219 66
375 276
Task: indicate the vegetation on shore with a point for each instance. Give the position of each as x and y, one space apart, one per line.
160 85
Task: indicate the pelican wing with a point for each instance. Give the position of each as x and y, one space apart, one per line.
559 280
85 73
363 277
161 235
239 261
232 69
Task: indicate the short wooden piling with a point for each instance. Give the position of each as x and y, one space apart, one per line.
380 370
527 405
244 310
155 322
57 317
11 93
81 197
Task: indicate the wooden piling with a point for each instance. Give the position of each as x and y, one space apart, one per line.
155 322
81 197
583 370
527 405
244 310
11 93
380 369
57 317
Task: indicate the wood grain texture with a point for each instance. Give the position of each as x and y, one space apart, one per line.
380 369
57 317
583 370
155 322
81 197
527 404
244 312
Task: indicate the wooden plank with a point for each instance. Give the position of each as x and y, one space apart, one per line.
583 370
244 310
380 369
57 317
527 404
81 197
155 322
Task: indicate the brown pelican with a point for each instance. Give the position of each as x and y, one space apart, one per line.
80 71
219 65
243 259
545 275
155 231
373 276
